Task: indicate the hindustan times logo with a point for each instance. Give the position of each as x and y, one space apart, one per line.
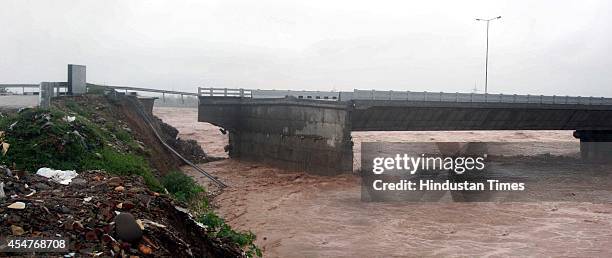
412 164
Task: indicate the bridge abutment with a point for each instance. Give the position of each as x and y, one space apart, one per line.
290 133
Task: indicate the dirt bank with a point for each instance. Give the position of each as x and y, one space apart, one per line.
300 215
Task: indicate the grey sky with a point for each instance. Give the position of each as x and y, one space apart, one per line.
538 47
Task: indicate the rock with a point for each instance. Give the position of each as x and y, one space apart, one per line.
127 206
6 171
13 218
91 236
126 227
114 181
145 249
68 224
77 226
17 230
63 209
79 182
140 224
41 186
119 188
17 206
2 194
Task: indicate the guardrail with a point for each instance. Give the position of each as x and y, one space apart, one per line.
473 97
225 92
405 95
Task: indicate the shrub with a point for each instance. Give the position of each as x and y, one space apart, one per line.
218 228
181 186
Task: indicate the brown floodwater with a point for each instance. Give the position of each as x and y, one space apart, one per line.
295 214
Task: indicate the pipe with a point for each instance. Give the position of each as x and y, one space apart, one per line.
148 121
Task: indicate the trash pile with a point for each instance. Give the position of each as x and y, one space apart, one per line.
102 216
88 169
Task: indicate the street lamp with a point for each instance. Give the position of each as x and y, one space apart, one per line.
487 58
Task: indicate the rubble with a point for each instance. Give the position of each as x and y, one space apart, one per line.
17 206
107 223
112 207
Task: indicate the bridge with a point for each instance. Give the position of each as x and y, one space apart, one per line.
311 130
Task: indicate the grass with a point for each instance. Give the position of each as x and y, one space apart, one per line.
185 189
45 138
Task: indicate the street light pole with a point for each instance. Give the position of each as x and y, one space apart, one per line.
487 55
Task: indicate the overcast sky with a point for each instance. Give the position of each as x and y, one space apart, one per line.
538 47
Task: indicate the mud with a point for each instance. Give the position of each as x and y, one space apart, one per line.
300 215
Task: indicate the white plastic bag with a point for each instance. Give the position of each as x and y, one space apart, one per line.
63 177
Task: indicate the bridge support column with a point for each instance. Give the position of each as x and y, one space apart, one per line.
595 145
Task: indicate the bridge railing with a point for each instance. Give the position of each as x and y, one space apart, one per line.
224 92
472 97
405 95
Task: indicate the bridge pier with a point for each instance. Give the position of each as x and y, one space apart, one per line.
595 145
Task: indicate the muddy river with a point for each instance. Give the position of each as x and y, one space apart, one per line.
295 214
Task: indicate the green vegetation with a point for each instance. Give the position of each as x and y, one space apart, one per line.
218 228
56 139
182 187
186 190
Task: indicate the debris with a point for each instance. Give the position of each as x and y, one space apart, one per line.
80 182
31 193
146 221
41 186
63 177
145 249
2 194
69 119
140 224
127 228
5 147
119 188
6 171
17 230
12 126
114 181
87 199
17 206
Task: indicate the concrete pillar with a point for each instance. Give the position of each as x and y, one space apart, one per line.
45 95
77 80
595 145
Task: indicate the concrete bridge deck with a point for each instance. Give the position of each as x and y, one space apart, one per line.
312 133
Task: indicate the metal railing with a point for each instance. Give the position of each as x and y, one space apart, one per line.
225 92
472 97
405 95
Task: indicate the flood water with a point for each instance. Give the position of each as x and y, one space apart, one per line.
295 214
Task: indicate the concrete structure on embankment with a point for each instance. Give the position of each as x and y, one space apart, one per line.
314 135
